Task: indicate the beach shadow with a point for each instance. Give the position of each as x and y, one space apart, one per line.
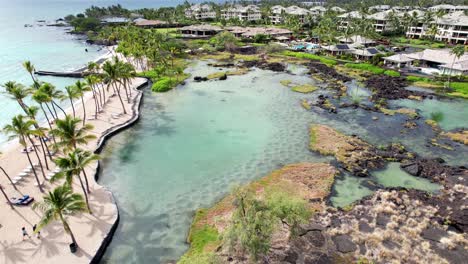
14 252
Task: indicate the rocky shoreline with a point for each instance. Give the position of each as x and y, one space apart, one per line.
393 224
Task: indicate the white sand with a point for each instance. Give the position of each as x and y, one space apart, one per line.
89 230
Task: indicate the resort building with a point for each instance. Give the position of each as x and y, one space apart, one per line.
379 8
243 13
250 32
357 41
315 3
338 49
365 54
448 8
337 9
451 28
398 61
345 19
440 61
317 11
200 12
199 31
278 14
146 23
381 20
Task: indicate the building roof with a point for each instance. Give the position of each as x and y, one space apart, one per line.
242 9
352 14
200 7
442 56
356 39
318 8
438 7
202 27
337 47
368 52
460 66
384 14
252 31
295 10
379 7
146 22
337 9
399 58
456 18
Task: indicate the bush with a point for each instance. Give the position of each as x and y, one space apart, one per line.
437 45
417 79
163 85
365 67
303 55
254 220
392 73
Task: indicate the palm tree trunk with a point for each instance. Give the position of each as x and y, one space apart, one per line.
44 153
96 104
73 107
84 110
50 111
448 78
38 158
121 101
8 176
6 197
48 122
34 169
55 110
67 228
61 109
86 180
85 193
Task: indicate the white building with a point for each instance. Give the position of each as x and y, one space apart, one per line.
318 10
278 13
337 9
451 28
200 12
243 13
346 18
381 20
379 8
315 3
448 8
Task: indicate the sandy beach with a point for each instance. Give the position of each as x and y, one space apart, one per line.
90 230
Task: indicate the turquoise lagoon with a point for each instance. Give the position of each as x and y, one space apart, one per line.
194 143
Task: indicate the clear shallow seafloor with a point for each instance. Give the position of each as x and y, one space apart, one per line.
194 143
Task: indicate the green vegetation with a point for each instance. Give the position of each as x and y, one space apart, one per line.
306 104
419 43
303 55
460 89
365 67
254 220
392 73
437 116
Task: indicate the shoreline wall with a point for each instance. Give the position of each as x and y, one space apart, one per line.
107 135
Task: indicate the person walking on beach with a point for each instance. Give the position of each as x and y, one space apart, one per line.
25 233
38 233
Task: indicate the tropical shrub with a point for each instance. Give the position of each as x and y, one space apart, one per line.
163 85
392 73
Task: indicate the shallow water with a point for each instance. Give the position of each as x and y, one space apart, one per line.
194 143
190 147
348 189
454 111
394 176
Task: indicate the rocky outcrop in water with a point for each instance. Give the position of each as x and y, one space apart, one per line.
327 72
391 88
265 65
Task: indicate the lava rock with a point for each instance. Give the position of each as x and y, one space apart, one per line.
344 244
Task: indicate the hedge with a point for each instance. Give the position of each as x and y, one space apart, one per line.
365 67
163 85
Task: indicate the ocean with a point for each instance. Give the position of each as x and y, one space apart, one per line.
48 48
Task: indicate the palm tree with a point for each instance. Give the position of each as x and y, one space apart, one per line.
70 135
457 52
58 204
17 92
30 69
92 81
112 76
82 88
73 165
72 93
53 93
8 177
38 132
6 197
20 128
